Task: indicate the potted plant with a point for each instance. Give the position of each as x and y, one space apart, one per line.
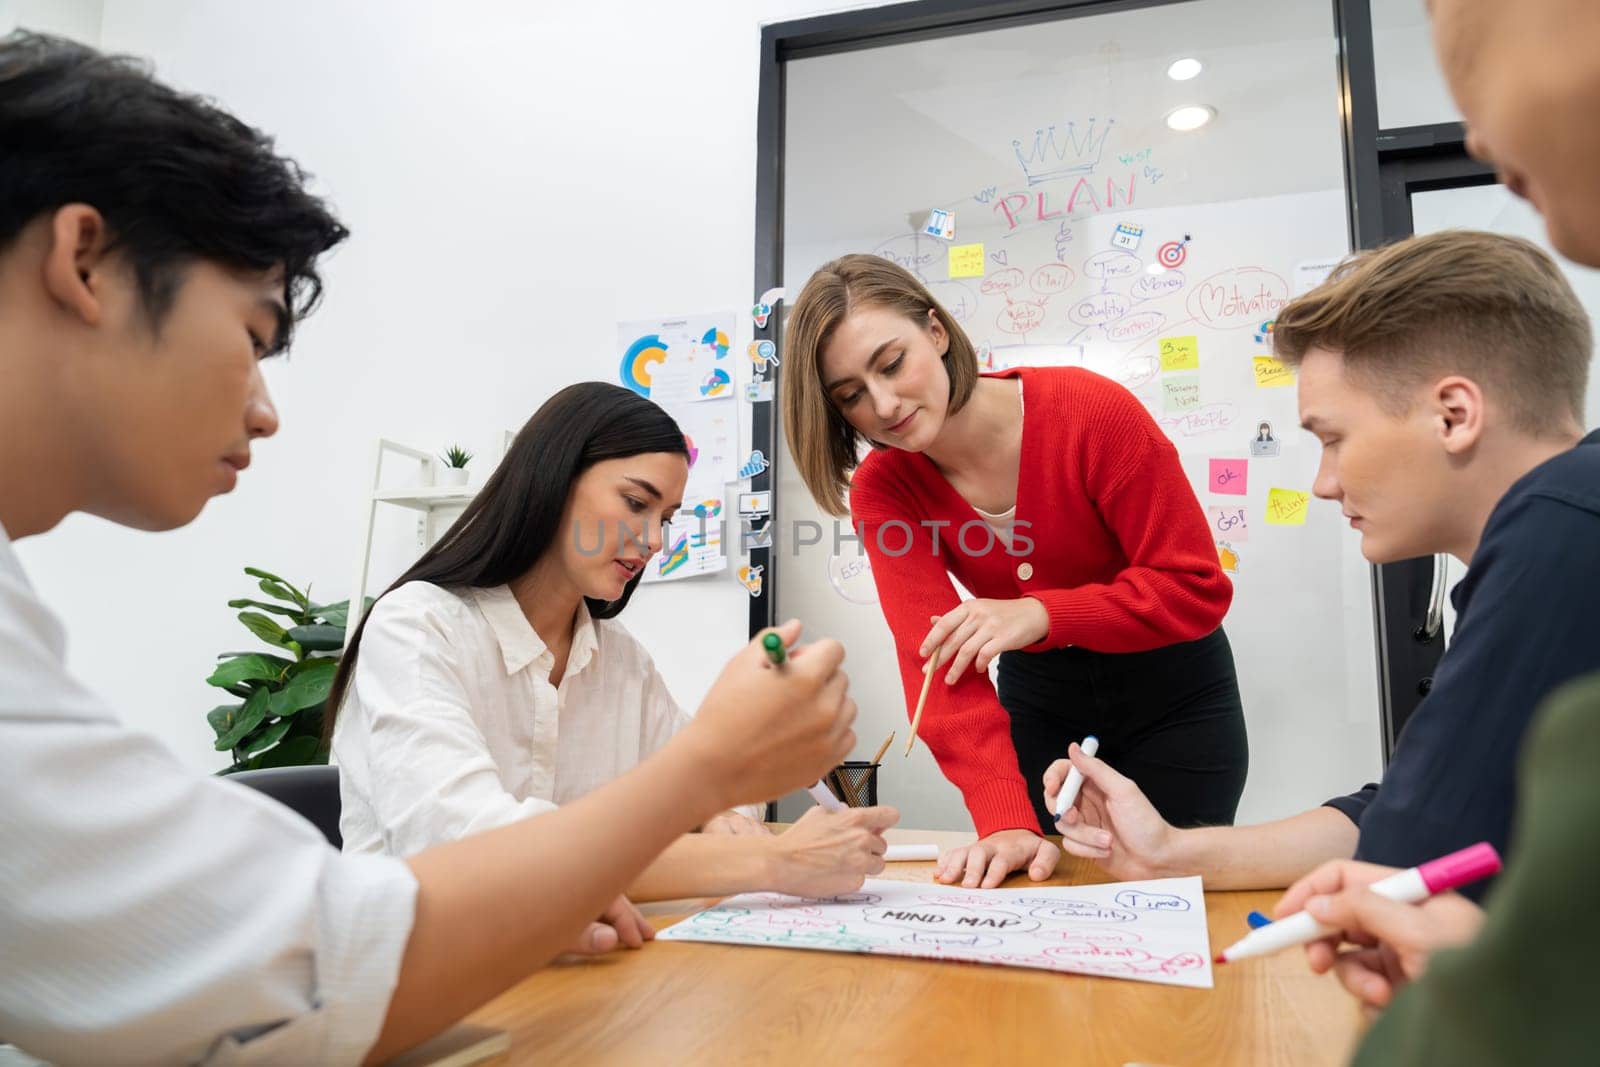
278 719
455 466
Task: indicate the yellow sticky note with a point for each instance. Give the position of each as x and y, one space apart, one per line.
1271 373
1180 353
966 261
1286 507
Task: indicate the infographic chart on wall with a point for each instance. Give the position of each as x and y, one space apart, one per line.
684 365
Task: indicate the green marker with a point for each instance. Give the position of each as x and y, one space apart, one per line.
774 646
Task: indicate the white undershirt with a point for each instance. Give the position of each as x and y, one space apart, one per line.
1001 524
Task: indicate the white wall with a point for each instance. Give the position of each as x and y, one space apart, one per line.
77 19
517 182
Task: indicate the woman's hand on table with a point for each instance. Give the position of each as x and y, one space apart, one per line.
1112 822
1393 941
977 631
986 863
827 853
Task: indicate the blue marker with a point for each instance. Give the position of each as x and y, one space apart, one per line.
1257 920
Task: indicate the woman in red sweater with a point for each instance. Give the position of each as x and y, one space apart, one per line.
1053 497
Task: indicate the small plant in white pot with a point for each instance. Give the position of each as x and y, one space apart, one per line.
455 466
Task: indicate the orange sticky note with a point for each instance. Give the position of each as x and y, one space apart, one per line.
1287 507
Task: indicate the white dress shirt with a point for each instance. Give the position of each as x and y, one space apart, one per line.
151 914
451 725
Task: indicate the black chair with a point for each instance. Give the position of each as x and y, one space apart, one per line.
310 792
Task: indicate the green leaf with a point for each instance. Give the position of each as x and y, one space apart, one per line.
339 614
266 629
294 614
248 718
221 717
307 687
266 738
281 592
272 585
317 638
308 722
295 752
256 667
241 691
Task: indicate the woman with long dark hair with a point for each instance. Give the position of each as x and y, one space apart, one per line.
492 682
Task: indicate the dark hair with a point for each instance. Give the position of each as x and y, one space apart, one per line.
176 178
516 517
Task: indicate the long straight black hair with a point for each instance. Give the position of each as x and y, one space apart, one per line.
516 517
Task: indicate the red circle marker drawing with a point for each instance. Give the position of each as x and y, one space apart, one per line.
1172 254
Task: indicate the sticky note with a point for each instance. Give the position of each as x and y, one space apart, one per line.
1228 523
966 261
1286 507
1180 353
1272 373
1180 393
1229 476
1228 557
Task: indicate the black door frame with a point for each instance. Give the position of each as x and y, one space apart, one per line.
1382 169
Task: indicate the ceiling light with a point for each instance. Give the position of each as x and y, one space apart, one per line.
1184 69
1192 117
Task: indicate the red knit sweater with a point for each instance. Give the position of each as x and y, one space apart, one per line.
1121 558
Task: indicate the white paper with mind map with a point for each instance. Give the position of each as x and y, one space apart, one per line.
1152 931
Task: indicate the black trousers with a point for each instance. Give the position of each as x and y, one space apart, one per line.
1170 719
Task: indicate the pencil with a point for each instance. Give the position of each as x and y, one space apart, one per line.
922 701
887 741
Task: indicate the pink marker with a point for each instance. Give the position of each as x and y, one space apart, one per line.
1407 887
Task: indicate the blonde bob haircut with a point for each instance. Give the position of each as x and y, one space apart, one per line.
823 444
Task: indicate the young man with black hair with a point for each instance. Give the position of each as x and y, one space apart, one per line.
153 249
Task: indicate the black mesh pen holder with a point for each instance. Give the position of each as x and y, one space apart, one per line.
855 782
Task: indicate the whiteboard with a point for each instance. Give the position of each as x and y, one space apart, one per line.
1238 225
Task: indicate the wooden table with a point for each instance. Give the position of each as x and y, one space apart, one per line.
683 1003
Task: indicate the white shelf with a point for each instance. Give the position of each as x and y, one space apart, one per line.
426 498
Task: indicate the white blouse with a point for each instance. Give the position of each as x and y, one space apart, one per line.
152 914
451 725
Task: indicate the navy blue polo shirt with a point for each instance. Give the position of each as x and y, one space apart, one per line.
1527 620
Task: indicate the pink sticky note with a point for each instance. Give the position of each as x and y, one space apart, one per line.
1229 476
1228 522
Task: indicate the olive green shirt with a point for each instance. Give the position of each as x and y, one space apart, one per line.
1527 990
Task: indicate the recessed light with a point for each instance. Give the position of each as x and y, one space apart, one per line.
1184 69
1192 117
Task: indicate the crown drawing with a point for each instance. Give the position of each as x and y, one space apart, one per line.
1060 153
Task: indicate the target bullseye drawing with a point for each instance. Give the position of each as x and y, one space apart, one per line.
1172 254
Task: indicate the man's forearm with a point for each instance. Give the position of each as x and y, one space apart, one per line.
494 907
707 865
1266 856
